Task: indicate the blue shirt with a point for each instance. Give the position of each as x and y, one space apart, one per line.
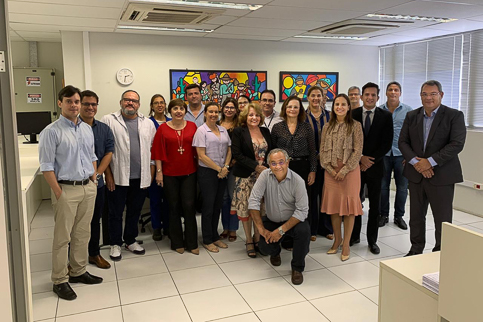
103 143
199 120
398 117
67 149
427 123
156 124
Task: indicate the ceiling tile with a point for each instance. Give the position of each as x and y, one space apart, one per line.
436 9
258 31
163 33
221 20
87 3
295 13
278 23
318 41
359 5
58 20
39 34
35 27
459 25
245 37
422 33
63 10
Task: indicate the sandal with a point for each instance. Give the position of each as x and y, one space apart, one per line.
232 238
223 235
211 247
252 253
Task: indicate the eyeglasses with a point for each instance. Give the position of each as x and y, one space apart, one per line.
127 100
159 103
230 108
280 163
434 94
267 100
90 104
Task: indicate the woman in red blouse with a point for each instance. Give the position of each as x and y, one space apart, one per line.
176 166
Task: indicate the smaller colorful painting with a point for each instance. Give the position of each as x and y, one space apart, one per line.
298 83
218 85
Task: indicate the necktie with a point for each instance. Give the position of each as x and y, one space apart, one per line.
367 123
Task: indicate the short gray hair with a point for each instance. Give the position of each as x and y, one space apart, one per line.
130 90
352 88
287 158
432 82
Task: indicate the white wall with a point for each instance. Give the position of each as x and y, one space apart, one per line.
150 57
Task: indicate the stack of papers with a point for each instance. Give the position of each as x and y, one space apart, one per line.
431 282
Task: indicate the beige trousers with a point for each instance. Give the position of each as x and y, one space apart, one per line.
72 214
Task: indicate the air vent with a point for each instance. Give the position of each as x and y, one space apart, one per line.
355 27
167 14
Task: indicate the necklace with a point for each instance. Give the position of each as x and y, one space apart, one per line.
180 140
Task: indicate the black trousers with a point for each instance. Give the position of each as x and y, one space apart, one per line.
96 221
212 191
300 235
320 223
132 197
181 194
441 200
374 194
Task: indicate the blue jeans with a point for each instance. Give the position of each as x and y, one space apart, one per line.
394 163
230 222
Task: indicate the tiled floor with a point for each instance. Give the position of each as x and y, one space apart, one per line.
166 286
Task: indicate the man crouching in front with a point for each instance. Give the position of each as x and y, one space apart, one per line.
287 208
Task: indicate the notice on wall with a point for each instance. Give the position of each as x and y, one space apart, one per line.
32 80
34 98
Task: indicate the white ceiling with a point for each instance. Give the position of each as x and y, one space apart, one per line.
277 20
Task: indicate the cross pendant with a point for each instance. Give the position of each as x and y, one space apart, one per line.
180 150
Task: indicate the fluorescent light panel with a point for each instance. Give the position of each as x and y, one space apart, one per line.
333 37
408 17
210 4
164 29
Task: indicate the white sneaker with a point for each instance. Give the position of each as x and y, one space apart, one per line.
115 253
136 248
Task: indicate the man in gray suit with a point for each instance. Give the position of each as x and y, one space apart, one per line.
430 140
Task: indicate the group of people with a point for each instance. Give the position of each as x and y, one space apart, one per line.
287 176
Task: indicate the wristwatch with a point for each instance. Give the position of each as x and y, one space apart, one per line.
280 230
98 176
159 170
227 166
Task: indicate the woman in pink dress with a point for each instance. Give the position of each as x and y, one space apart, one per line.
341 151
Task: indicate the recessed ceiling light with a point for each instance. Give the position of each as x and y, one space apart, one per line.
333 37
211 4
408 17
164 29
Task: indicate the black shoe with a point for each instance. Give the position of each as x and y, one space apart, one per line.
411 253
276 260
383 220
374 249
85 278
399 221
355 241
64 291
157 235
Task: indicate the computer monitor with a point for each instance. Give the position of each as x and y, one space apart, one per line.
32 123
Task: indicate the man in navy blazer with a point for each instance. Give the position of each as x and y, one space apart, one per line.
378 134
430 140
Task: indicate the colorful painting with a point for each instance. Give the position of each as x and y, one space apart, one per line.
218 85
298 83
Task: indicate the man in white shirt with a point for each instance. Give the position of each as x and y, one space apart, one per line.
267 103
129 173
195 112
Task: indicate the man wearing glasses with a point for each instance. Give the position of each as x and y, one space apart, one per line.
104 147
267 103
431 138
287 208
354 94
129 173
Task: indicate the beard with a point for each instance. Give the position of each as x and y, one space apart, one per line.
128 112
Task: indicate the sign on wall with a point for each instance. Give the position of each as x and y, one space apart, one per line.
298 83
217 85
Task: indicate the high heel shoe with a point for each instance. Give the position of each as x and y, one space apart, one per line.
333 251
345 257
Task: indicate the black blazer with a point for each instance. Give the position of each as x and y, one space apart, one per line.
445 140
379 140
242 151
